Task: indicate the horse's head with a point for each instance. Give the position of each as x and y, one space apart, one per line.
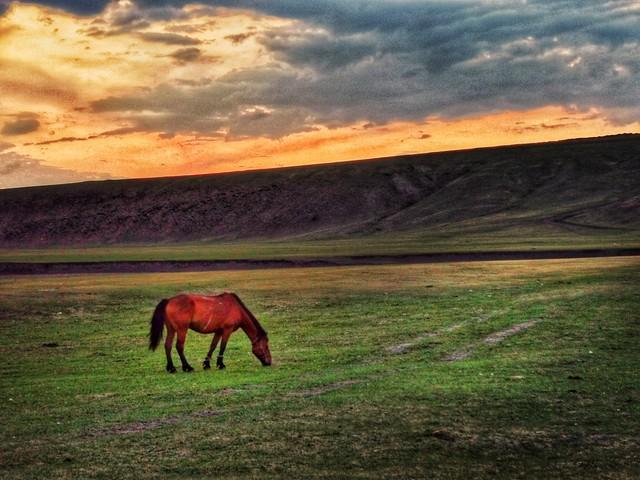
261 350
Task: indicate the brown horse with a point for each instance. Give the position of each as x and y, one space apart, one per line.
220 314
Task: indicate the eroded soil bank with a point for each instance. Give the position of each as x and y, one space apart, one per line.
28 268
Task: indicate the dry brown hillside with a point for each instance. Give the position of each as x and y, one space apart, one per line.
587 183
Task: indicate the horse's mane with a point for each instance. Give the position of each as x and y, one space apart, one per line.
261 331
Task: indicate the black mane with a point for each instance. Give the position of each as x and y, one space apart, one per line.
262 333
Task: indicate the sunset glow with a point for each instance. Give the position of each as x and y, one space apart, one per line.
137 90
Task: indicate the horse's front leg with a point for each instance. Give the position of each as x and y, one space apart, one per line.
223 345
182 335
214 343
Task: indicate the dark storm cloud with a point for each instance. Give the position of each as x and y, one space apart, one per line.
81 7
132 14
24 123
168 38
186 55
183 56
390 60
159 11
109 133
238 38
229 106
123 18
318 50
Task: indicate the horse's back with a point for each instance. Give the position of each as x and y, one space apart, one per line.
204 313
188 300
209 301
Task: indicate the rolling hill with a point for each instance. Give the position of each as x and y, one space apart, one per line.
583 185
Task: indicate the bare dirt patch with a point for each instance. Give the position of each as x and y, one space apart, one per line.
400 348
459 355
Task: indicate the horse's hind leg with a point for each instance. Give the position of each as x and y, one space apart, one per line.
168 343
182 335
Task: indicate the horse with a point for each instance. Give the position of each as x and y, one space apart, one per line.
219 314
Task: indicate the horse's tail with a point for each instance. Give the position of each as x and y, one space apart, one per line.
157 324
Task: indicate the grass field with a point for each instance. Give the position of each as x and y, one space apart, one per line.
473 239
520 369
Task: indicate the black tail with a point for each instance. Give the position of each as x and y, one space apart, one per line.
157 325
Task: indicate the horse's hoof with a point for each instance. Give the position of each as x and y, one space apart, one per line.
221 366
206 365
171 369
187 368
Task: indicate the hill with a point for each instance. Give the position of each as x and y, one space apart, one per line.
587 185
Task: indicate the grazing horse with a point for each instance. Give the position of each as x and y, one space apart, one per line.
220 314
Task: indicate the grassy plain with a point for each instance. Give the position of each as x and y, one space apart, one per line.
406 371
472 239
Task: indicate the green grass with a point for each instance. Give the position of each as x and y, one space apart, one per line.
472 239
559 400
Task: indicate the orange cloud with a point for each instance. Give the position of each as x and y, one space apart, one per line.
54 66
142 154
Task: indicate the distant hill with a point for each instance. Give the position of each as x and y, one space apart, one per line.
585 184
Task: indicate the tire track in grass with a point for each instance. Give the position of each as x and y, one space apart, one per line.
463 353
316 391
405 347
492 339
144 425
502 334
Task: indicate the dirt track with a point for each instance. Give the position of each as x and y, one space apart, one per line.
15 268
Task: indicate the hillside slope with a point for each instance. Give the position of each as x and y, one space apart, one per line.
580 184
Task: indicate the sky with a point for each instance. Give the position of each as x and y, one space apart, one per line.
124 89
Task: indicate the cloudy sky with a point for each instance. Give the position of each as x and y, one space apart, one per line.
112 89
